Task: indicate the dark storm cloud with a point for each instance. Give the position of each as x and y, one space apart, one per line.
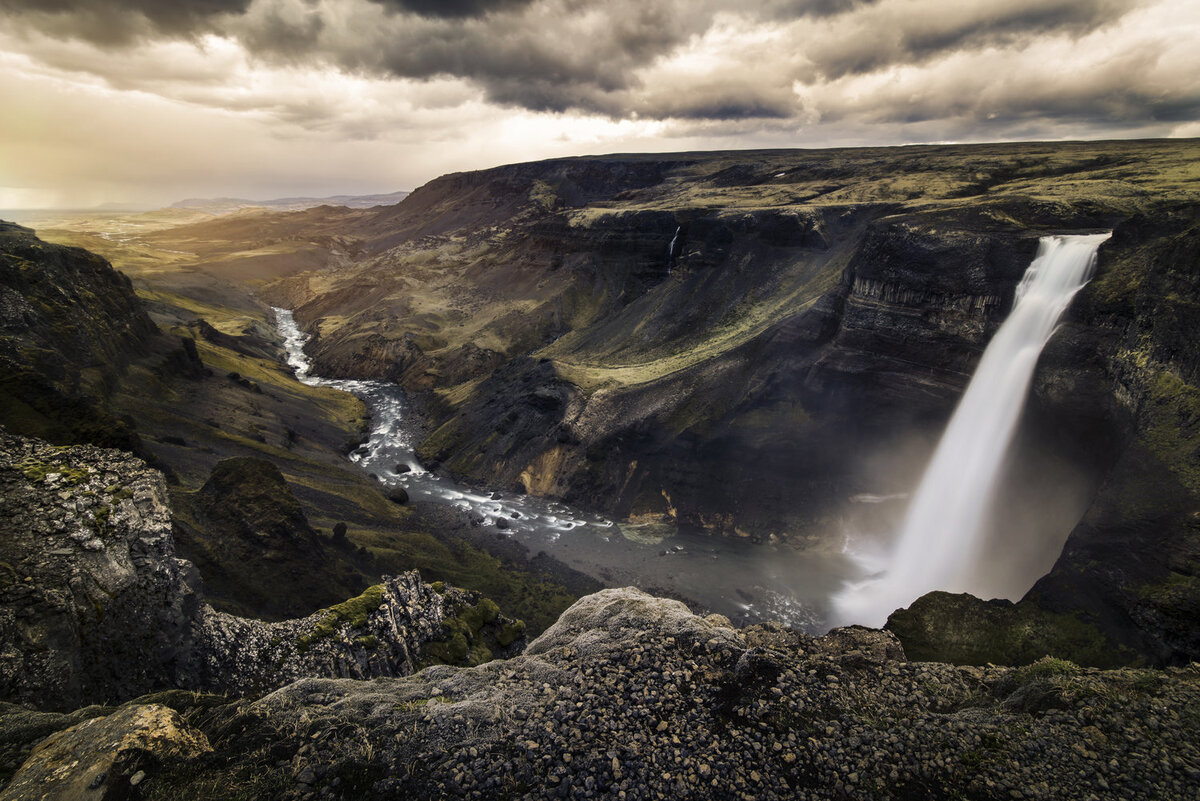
614 58
572 55
451 8
885 35
791 9
556 57
118 21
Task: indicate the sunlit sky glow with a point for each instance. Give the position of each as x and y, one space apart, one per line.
146 102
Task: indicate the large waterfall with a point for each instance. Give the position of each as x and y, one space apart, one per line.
943 533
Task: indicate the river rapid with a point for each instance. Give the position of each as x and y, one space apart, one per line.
744 581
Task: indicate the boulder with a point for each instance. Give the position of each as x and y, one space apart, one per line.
101 758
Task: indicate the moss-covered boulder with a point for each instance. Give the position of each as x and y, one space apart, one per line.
963 630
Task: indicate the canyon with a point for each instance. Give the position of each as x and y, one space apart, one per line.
757 347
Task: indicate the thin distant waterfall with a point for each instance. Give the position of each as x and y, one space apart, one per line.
671 252
945 527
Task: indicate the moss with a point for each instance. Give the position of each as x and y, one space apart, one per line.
1171 429
352 613
440 442
38 471
1176 586
992 750
510 633
1045 668
101 516
465 640
451 651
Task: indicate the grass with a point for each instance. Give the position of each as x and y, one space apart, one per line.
1172 427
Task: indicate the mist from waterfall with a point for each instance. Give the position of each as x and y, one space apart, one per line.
944 532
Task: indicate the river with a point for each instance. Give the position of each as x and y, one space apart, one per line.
742 580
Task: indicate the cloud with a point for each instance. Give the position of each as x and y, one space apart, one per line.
732 58
912 31
453 85
451 8
122 21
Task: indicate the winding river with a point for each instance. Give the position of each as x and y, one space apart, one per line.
741 580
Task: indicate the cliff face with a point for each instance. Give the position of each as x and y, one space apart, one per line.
710 338
69 325
96 607
1120 380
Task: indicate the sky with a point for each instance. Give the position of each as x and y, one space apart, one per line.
145 102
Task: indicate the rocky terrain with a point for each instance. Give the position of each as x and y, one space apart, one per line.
55 362
633 697
96 606
186 371
714 339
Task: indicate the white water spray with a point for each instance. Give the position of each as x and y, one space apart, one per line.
943 533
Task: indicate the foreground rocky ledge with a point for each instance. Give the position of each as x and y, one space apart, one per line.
630 696
95 607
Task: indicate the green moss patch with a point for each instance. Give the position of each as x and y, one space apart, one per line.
352 613
471 635
38 471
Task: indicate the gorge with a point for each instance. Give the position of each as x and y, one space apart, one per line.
727 369
790 587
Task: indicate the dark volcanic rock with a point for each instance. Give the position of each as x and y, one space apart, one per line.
743 343
95 605
245 524
630 696
102 758
1117 387
69 325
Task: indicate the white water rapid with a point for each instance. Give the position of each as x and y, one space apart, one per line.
943 533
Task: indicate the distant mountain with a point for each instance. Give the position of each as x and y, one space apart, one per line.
225 205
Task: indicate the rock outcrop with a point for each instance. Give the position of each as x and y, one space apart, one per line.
103 758
392 629
96 607
69 325
633 697
244 523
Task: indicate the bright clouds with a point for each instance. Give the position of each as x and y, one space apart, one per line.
156 99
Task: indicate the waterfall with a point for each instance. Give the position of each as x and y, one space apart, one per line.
672 254
944 529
